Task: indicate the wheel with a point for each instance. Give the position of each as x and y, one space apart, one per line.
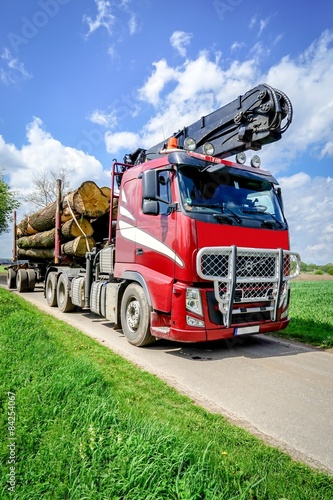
22 280
51 289
135 316
31 280
64 301
11 278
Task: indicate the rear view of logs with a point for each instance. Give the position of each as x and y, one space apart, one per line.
81 210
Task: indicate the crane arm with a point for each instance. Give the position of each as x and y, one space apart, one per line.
258 117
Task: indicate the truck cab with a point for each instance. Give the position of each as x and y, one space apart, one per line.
207 241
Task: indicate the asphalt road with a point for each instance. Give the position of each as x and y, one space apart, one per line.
279 390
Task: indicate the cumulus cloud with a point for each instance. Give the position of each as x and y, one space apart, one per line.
181 93
43 153
118 141
309 207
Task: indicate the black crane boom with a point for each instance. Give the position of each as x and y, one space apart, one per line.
254 119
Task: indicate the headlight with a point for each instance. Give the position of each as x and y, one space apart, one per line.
193 301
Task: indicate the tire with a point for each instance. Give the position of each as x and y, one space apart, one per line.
31 280
135 316
64 301
11 279
22 280
51 289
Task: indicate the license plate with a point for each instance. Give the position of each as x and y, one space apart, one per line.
246 330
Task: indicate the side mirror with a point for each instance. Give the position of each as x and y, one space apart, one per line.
150 185
150 207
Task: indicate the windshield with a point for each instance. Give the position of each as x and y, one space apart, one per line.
228 196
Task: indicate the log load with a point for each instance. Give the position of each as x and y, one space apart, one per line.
75 248
88 200
81 211
46 239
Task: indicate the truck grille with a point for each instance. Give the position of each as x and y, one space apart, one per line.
247 275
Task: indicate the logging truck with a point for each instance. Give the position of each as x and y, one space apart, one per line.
194 245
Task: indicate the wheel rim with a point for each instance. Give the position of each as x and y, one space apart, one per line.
133 315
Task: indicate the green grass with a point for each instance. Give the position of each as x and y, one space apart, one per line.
90 425
311 313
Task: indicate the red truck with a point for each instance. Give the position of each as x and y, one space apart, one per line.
200 247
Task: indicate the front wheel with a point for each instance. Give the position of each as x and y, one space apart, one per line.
135 316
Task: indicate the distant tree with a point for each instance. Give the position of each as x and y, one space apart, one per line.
45 185
304 267
8 203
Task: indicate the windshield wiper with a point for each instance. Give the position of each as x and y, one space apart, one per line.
218 205
238 219
253 210
223 218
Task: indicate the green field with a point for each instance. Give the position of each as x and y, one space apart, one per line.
311 313
90 425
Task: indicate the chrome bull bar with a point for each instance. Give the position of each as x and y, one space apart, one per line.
246 275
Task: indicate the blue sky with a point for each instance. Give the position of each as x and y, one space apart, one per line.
85 81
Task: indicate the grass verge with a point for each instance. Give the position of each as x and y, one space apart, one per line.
90 425
311 312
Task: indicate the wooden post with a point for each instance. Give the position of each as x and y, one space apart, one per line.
57 244
14 254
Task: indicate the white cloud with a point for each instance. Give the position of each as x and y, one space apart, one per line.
44 153
259 24
150 92
122 141
110 17
104 18
183 93
308 81
13 70
179 40
133 24
309 206
103 118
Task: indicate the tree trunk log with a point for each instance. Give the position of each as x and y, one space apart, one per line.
88 200
75 248
78 247
76 227
38 240
46 239
36 253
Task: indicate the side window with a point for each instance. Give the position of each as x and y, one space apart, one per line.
164 191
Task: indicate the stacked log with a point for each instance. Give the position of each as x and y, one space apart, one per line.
81 209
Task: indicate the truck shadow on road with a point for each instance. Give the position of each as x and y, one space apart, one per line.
255 346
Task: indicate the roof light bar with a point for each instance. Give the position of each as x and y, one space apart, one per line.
190 144
255 161
241 158
208 149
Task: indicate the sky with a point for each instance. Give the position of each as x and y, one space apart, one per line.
83 82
